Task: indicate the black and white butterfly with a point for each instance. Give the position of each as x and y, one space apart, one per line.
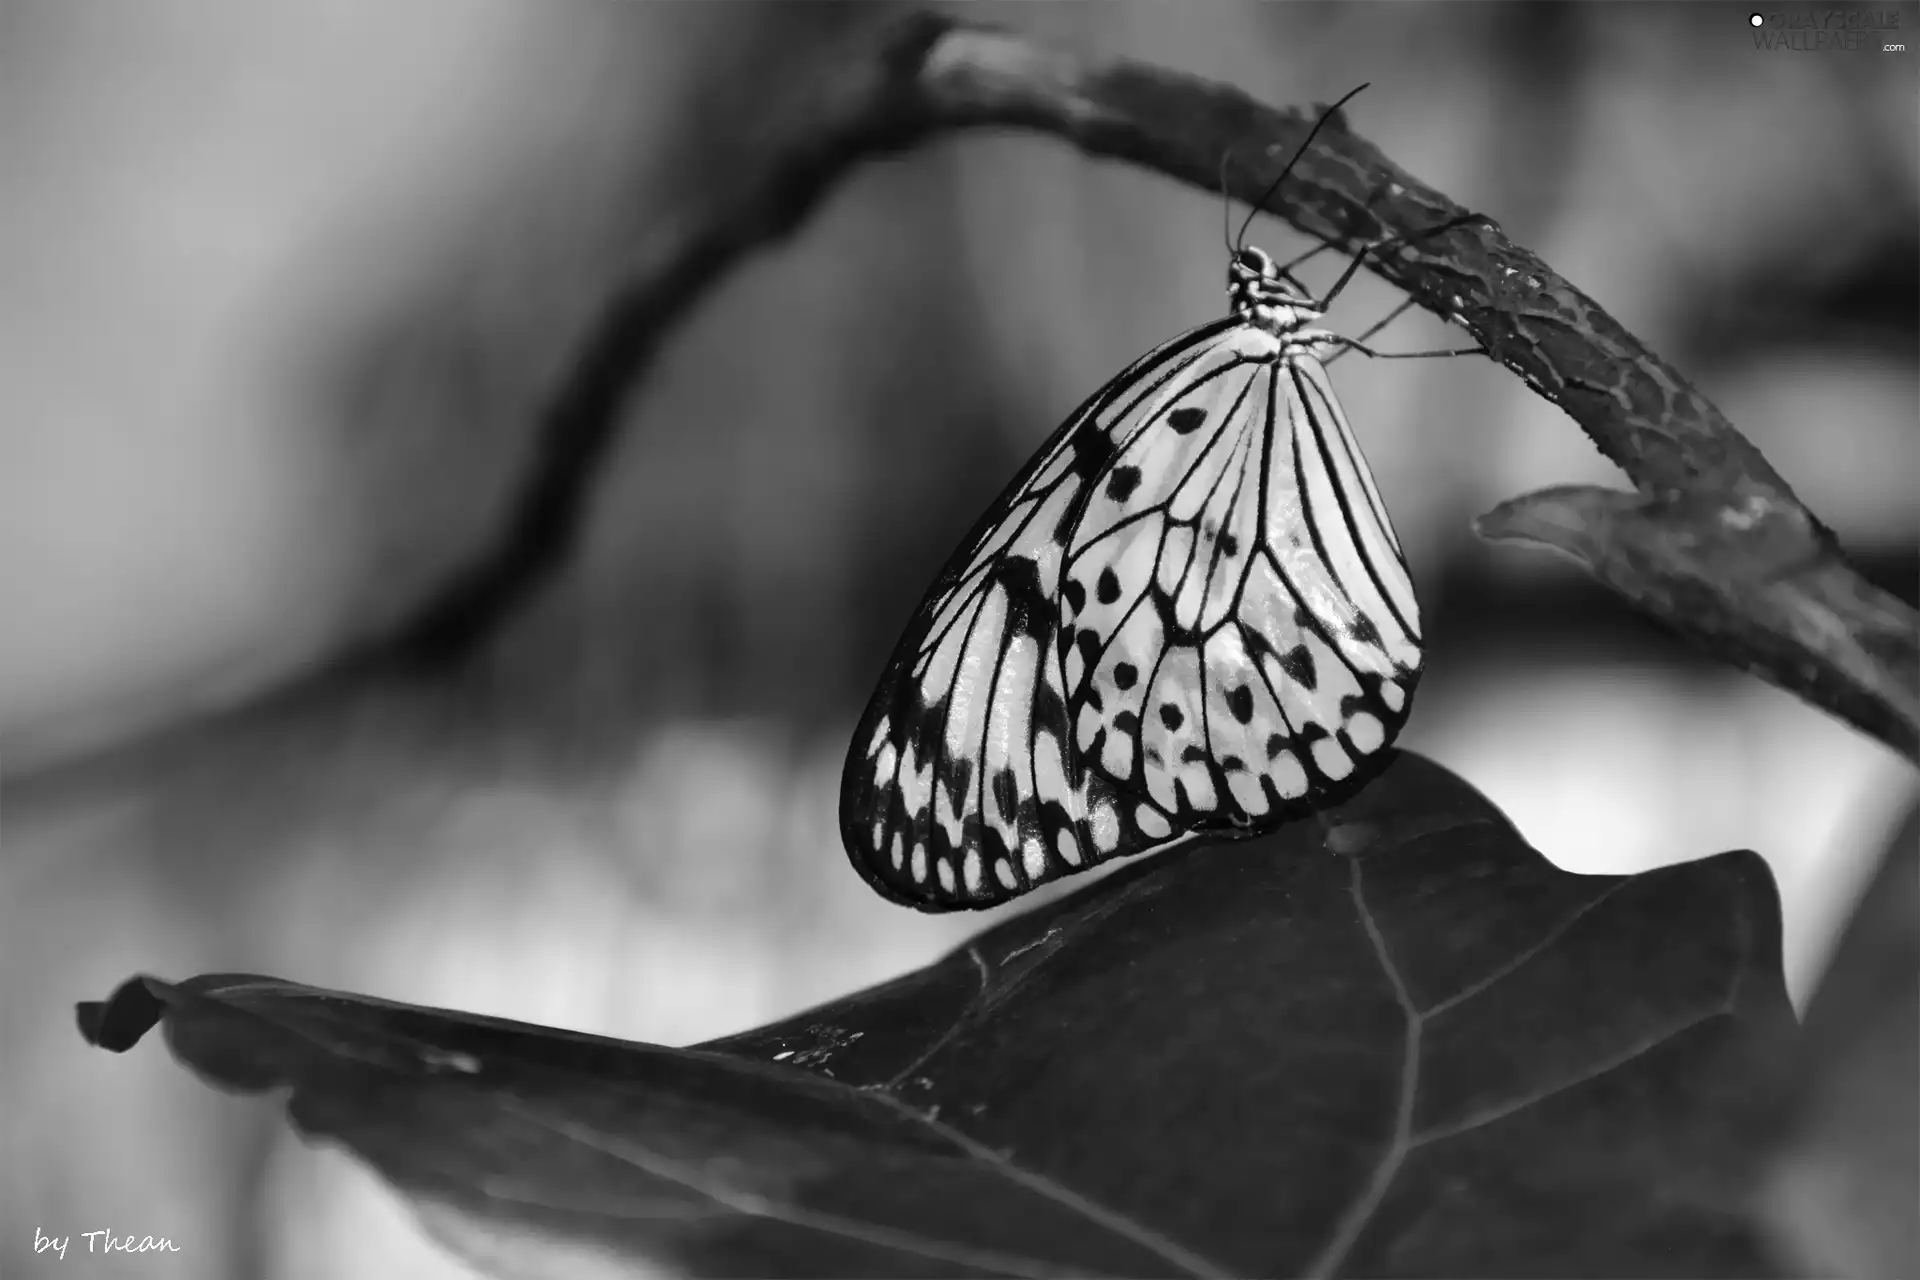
1188 615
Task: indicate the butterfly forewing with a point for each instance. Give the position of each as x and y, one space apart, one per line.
920 793
1187 615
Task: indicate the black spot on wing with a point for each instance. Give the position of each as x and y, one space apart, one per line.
1029 613
1240 702
1075 595
1193 755
1297 662
1170 716
1233 764
923 730
1365 632
1092 447
1276 743
1122 483
959 778
1127 722
1185 421
1107 590
1126 675
1006 794
1089 643
1229 545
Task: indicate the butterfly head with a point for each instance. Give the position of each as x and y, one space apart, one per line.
1264 295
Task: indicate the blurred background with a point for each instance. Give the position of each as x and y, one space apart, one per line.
282 291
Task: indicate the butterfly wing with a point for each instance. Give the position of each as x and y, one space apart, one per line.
961 788
1187 614
1240 633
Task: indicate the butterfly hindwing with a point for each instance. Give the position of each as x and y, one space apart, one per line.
962 788
1210 592
1329 611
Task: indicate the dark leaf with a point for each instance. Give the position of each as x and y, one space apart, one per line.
1395 1041
1847 1177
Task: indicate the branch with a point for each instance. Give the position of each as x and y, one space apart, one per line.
1715 543
1752 589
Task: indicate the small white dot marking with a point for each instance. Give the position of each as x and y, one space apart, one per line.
1246 790
1331 760
1033 856
1289 779
1067 847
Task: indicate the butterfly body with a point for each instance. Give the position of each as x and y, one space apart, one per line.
1187 616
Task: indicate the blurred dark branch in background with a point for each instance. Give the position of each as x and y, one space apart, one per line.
1714 544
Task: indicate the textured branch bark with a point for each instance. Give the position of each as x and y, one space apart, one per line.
1714 543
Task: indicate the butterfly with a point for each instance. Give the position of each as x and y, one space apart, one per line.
1187 616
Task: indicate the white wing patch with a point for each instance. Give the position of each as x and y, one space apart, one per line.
1188 615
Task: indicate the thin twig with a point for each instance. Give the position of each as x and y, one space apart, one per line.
1714 543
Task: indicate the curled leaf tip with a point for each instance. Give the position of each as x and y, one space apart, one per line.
117 1023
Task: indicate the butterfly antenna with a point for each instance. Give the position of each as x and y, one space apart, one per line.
1301 150
1226 204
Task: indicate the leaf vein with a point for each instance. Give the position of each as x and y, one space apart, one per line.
1513 966
751 1204
1488 1115
1120 1224
1351 1223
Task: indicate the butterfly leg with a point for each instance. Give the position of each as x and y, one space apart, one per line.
1358 344
1314 252
1354 344
1463 220
1391 316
